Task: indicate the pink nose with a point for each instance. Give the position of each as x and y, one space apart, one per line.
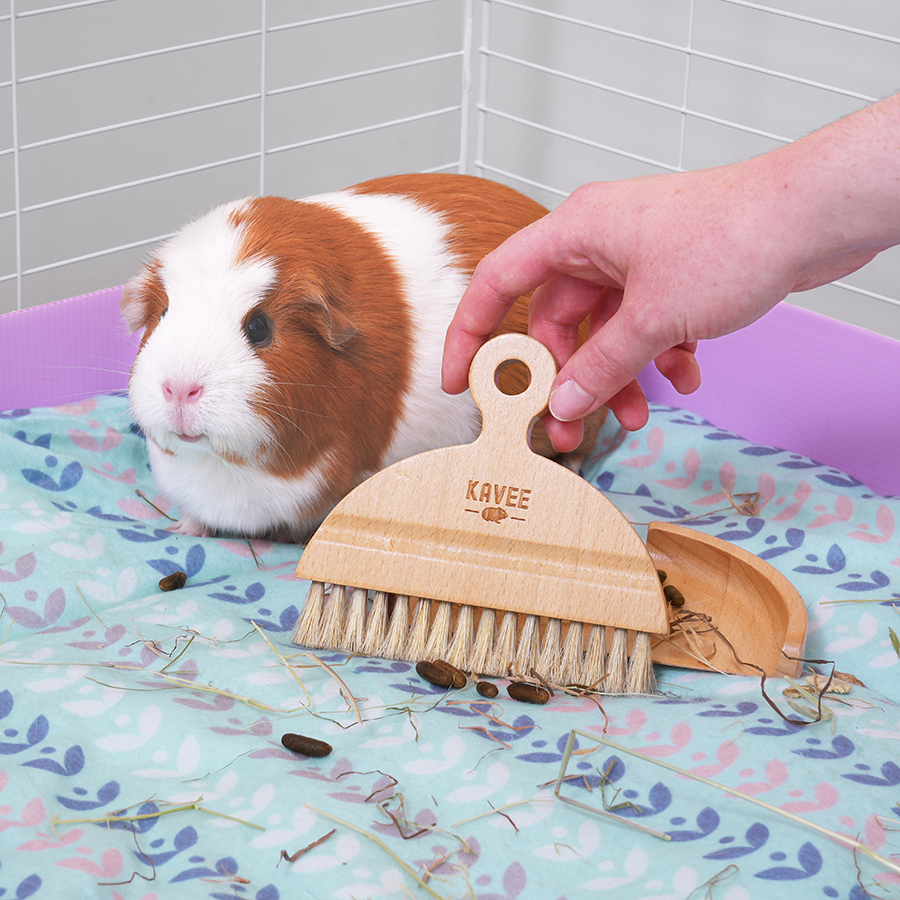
182 394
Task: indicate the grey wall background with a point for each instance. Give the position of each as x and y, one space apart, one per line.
122 119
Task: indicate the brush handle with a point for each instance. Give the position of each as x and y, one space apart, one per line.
508 418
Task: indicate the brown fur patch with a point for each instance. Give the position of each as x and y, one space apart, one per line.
338 330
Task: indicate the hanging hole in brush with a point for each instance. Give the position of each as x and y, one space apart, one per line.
512 377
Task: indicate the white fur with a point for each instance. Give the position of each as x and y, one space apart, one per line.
208 294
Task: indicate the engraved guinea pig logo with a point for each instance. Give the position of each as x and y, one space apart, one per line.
501 501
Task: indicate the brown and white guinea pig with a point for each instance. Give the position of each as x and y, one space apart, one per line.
292 348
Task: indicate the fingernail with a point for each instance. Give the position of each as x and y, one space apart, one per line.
570 401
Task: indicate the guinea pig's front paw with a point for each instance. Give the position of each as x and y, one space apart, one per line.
190 526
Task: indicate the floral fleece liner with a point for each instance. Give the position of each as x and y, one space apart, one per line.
140 731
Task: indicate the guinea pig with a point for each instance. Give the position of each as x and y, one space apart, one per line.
292 348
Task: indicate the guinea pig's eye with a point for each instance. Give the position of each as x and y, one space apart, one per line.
258 329
162 315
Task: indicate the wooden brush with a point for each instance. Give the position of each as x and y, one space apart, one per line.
488 556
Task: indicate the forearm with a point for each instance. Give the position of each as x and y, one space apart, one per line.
833 197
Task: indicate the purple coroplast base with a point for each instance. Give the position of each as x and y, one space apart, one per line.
794 380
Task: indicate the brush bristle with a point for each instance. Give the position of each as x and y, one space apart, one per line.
598 658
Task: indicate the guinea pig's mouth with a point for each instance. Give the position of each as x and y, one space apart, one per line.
188 438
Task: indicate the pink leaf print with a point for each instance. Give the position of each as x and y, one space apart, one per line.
110 864
826 797
727 754
691 468
843 511
680 736
78 409
140 509
802 493
88 442
44 842
129 476
242 548
655 441
884 520
634 722
32 814
24 566
727 476
765 487
776 772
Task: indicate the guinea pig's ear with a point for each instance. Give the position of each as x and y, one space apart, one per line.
332 324
135 302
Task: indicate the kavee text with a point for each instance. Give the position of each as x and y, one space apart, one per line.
499 494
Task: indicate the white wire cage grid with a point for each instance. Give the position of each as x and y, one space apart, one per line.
122 119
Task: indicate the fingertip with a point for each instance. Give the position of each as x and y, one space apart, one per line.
565 436
680 367
630 407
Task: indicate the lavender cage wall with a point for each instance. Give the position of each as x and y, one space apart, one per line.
122 119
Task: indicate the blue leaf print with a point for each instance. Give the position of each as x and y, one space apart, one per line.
27 887
252 594
841 747
810 861
659 798
73 763
744 708
767 730
6 703
890 776
164 566
143 537
37 731
43 441
69 477
677 512
754 526
286 622
757 450
757 834
194 560
226 866
97 513
878 582
185 839
840 480
707 823
835 559
105 795
798 462
722 436
14 413
794 538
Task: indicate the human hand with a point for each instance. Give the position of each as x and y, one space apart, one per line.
656 264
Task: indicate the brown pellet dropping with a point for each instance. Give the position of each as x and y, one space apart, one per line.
173 582
662 575
528 693
487 689
673 595
307 746
441 673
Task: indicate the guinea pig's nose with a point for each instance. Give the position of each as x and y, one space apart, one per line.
182 394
